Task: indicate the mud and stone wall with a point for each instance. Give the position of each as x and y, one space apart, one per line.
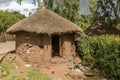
37 48
33 48
46 42
6 37
68 45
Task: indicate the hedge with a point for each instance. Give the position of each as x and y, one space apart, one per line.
102 52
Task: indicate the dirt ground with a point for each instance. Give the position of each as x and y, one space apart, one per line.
7 46
57 69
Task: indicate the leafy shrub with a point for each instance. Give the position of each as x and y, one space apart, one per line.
9 18
102 52
85 21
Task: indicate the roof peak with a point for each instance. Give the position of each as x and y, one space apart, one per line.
43 6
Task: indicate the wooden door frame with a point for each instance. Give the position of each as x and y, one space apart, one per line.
60 46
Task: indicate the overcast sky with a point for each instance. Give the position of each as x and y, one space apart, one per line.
27 6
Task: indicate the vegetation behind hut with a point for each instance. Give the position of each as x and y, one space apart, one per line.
7 19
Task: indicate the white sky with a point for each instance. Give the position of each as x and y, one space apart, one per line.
25 8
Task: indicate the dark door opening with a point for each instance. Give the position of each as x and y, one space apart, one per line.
55 45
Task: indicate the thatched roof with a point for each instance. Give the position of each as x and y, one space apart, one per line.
46 22
100 28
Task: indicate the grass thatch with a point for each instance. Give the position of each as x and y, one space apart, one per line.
46 22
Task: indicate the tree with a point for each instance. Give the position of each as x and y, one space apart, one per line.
93 8
7 19
117 12
106 10
49 3
66 8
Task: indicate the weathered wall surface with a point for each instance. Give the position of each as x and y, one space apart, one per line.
46 42
37 49
32 47
68 46
6 37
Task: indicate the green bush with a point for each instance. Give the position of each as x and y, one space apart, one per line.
7 19
102 52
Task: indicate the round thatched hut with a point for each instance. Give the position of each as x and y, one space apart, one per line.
44 35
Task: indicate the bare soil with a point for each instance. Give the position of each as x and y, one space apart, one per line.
7 46
57 69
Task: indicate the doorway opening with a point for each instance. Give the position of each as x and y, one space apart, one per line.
55 45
